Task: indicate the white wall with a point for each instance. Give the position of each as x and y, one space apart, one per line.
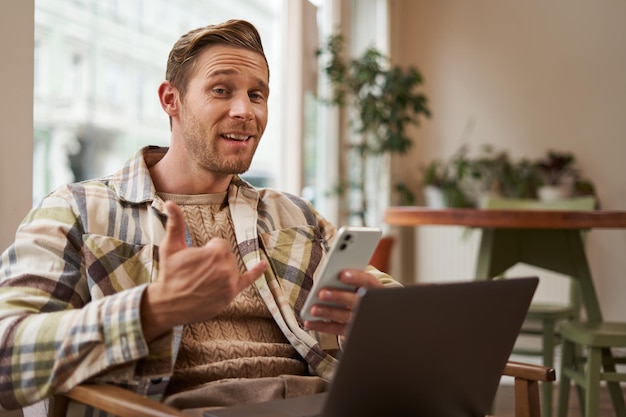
527 76
16 115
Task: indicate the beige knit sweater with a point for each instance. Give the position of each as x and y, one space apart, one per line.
243 341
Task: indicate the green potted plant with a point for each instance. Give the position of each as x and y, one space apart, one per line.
558 174
489 173
382 100
486 173
522 180
442 179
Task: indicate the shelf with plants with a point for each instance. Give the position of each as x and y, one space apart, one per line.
493 173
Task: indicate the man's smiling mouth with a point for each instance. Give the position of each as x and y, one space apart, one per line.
233 136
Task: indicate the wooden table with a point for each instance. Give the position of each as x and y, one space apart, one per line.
549 239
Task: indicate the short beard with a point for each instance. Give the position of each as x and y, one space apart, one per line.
204 150
208 158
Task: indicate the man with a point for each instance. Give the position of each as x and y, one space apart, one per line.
174 277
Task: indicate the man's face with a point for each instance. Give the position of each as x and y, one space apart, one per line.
224 111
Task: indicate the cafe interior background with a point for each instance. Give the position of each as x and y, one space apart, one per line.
523 76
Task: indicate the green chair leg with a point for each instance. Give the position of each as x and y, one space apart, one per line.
567 361
547 387
592 394
615 391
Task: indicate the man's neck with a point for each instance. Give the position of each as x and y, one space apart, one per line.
175 177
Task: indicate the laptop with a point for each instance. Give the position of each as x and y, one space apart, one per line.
421 350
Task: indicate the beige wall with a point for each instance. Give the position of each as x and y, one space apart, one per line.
527 76
16 115
16 120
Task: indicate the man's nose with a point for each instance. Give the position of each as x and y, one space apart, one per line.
241 107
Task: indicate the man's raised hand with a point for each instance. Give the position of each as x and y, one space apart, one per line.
193 284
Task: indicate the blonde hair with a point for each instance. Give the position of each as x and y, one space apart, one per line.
182 58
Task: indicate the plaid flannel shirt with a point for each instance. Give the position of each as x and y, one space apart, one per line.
71 283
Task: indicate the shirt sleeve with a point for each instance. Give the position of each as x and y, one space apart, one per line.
62 323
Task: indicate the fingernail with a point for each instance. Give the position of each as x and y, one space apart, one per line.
317 311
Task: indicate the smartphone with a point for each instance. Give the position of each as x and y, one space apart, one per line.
352 249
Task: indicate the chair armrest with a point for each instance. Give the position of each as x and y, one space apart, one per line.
114 400
529 371
125 403
527 377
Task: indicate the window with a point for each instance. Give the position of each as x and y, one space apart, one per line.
78 76
363 24
98 65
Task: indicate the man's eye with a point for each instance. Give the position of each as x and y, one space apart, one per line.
257 96
219 91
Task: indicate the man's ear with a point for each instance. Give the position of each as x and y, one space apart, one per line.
169 98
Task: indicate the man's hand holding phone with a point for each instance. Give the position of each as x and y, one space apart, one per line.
330 304
335 314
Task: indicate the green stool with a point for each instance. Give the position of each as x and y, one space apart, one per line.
542 321
587 361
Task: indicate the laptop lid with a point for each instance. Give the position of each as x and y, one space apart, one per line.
421 350
430 349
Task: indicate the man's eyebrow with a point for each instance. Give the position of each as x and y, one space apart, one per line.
222 72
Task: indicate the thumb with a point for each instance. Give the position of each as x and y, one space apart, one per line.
174 230
252 274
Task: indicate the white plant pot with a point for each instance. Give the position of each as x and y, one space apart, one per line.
434 197
553 192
